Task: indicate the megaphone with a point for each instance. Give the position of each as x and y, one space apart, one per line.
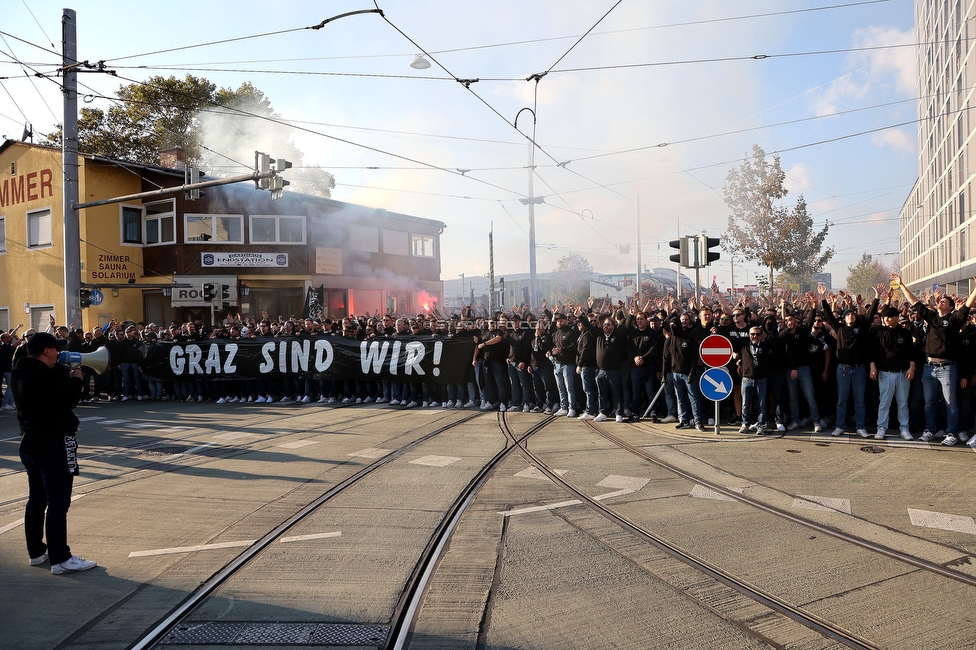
97 360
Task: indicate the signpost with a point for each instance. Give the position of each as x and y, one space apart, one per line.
716 383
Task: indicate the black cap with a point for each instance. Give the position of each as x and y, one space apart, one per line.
42 341
891 312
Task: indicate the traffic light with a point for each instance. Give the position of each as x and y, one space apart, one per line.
193 177
262 165
501 289
225 296
686 252
85 295
277 187
208 291
706 245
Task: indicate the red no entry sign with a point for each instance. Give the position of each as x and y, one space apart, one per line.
716 351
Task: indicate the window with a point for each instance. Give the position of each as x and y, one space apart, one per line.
422 245
216 228
160 222
364 238
4 319
267 229
131 225
39 228
40 317
3 235
395 242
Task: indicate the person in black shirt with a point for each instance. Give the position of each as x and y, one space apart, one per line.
893 365
940 373
752 362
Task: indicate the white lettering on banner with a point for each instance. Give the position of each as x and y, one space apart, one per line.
299 356
187 360
415 354
395 358
229 365
373 355
195 354
321 365
213 360
268 364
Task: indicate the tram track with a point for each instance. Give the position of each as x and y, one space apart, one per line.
173 621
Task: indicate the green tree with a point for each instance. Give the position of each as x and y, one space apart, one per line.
761 228
218 129
865 275
571 279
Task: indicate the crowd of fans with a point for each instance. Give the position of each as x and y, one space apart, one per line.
820 360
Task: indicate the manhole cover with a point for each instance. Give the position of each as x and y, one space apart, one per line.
872 449
792 451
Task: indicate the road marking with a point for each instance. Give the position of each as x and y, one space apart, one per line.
303 538
435 461
222 545
702 492
92 418
535 473
144 425
942 521
234 435
297 444
114 422
628 485
370 452
20 522
807 502
825 436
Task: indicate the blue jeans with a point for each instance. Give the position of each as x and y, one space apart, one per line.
850 378
944 379
588 375
130 378
642 380
687 392
609 384
892 385
754 389
8 395
498 371
803 381
566 385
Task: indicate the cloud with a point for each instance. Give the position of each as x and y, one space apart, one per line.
888 69
896 138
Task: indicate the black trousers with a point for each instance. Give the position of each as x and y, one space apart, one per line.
50 489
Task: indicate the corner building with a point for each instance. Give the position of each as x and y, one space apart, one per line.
150 258
936 224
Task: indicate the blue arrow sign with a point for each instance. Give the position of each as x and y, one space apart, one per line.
96 297
716 384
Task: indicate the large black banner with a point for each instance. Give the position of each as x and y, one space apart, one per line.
438 360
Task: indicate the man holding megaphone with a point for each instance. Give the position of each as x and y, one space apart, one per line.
45 394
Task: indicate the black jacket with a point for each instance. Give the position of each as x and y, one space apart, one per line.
45 398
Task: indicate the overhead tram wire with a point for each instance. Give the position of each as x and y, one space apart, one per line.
351 143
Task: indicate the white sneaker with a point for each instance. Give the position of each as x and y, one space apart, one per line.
269 400
561 412
285 399
359 400
321 399
818 428
346 400
125 399
926 436
949 440
449 404
260 399
199 399
669 420
711 422
486 406
963 436
586 416
306 399
571 413
880 435
332 400
600 417
620 418
972 442
793 426
502 409
863 433
780 427
906 434
39 560
426 404
249 399
411 405
526 409
221 401
837 432
468 404
234 400
73 565
744 428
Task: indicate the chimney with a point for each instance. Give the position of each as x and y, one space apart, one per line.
173 158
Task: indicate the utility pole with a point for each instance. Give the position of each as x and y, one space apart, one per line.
69 162
638 289
491 271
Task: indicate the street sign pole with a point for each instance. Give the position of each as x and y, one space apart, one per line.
716 352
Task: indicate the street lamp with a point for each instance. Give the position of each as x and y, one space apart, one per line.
530 201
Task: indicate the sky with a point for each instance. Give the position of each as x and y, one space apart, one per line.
641 109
